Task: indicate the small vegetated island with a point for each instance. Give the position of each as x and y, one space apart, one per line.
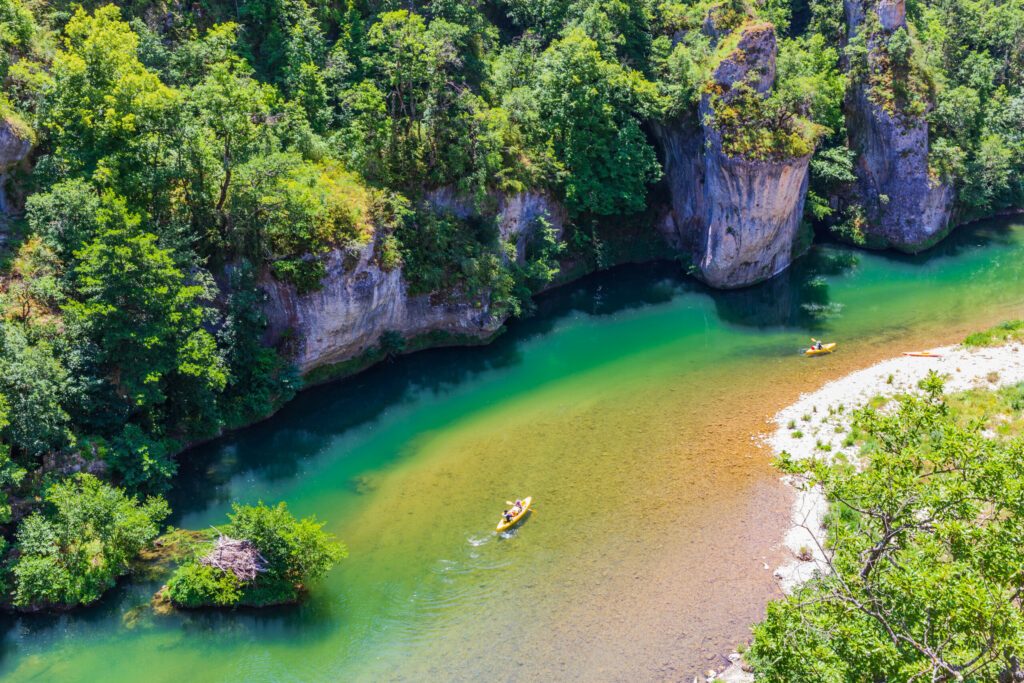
264 556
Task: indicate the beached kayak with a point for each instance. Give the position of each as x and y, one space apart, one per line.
921 354
505 526
825 348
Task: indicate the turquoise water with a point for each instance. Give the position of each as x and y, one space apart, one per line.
625 406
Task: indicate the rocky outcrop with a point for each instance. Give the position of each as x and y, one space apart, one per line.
682 148
359 301
516 214
752 62
15 145
905 206
752 217
738 217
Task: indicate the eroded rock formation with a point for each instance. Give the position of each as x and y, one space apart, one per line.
14 148
359 301
738 217
905 206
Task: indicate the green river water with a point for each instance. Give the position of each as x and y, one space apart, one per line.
626 406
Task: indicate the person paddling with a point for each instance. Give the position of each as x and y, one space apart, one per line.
511 513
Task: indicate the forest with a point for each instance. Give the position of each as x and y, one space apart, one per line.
183 153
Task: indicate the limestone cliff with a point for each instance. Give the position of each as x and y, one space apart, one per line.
752 217
682 148
739 217
15 145
515 213
359 301
905 206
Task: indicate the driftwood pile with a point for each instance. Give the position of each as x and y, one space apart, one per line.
237 556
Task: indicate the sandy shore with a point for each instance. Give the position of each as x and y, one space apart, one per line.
818 423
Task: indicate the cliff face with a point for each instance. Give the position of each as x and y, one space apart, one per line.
14 148
752 217
354 307
906 208
516 214
359 302
682 146
738 217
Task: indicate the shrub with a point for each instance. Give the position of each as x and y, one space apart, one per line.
1010 330
76 548
197 585
919 583
296 552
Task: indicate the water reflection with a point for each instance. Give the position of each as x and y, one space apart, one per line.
276 450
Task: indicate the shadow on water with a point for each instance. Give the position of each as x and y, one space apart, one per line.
277 448
128 606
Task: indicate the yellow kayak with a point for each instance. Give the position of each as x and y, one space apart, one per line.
825 348
921 354
505 526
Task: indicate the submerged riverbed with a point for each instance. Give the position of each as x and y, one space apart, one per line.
625 407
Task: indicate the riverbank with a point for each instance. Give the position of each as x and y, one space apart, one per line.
818 423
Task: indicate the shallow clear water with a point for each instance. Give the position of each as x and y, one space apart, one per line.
626 407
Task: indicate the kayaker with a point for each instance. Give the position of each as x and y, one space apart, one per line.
511 513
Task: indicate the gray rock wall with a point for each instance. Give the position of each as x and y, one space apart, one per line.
355 306
905 206
14 149
752 217
738 218
682 146
358 301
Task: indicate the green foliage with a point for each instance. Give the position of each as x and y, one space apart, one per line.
588 106
74 550
179 163
286 207
296 552
38 387
831 172
543 250
456 257
922 583
105 111
198 585
758 127
258 379
11 474
18 31
809 82
135 304
1008 331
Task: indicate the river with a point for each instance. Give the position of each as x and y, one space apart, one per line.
626 406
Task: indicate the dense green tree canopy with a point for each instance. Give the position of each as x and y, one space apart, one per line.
185 156
74 549
923 541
